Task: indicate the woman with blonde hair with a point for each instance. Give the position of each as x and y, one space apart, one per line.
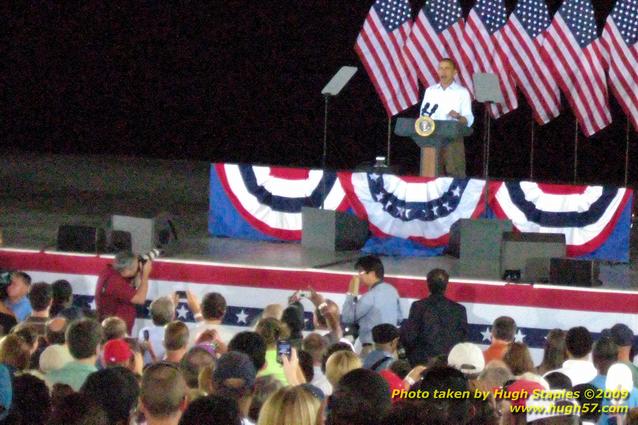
290 406
339 364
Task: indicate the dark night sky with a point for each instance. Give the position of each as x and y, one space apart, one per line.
238 81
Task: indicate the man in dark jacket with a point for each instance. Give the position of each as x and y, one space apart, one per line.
435 323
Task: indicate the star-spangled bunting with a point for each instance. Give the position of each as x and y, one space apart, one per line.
620 38
484 32
380 48
437 33
522 38
572 50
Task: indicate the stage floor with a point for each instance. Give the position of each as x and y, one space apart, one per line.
40 192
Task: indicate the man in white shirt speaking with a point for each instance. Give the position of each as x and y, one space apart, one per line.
448 100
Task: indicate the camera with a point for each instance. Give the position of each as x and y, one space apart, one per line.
150 256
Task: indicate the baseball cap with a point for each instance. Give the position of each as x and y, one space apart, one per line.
384 333
521 390
235 365
54 357
466 357
116 351
394 382
622 335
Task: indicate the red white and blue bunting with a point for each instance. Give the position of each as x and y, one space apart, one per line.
586 215
420 209
256 202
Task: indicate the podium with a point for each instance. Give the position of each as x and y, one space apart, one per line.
445 132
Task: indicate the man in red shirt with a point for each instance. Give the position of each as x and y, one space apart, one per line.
121 286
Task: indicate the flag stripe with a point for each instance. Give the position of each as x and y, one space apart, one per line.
380 48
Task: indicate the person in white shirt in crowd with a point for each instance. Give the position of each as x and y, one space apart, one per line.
152 337
209 315
578 367
448 100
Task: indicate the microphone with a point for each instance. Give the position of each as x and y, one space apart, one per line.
424 110
434 108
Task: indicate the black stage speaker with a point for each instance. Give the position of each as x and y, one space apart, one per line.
574 272
332 230
480 247
529 254
81 239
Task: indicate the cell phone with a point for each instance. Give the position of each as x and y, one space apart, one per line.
304 294
146 335
181 294
284 348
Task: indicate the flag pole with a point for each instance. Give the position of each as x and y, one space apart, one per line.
387 158
575 150
531 151
627 153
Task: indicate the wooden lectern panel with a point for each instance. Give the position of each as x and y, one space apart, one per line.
428 161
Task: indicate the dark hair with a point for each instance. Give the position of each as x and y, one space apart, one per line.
450 61
293 317
337 346
212 409
504 328
555 351
362 397
78 409
116 389
22 275
213 306
252 344
31 402
578 341
193 362
62 293
370 263
454 410
305 364
437 281
401 368
40 296
83 336
604 354
175 335
558 381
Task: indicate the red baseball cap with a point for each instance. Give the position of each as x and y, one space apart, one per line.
116 351
394 382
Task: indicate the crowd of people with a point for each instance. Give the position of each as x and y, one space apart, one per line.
363 363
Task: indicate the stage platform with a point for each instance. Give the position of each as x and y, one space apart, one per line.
39 193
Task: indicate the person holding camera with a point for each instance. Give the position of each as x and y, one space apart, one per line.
121 286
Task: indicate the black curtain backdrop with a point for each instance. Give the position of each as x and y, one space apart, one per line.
240 81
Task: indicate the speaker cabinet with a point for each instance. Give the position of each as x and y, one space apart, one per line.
332 230
480 247
574 272
530 253
146 233
87 239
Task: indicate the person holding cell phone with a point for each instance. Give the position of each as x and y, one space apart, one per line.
380 304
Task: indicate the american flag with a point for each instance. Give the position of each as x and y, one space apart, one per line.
438 32
620 38
523 37
484 32
380 47
573 51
